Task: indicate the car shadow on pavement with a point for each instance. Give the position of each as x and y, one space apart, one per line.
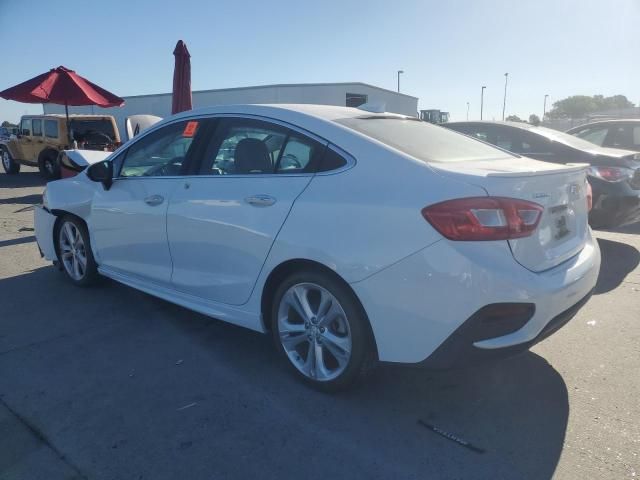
618 260
25 179
121 382
515 411
24 200
17 241
633 228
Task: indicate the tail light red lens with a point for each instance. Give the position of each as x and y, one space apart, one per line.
611 174
484 218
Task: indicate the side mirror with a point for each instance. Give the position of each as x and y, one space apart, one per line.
101 172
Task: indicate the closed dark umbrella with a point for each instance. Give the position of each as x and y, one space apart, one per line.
62 87
181 100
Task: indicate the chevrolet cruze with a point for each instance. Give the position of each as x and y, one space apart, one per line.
351 237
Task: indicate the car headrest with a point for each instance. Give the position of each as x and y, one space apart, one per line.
252 156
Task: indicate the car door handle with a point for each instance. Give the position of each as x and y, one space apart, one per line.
154 200
260 200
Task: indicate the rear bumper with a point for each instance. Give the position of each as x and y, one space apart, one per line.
459 349
416 305
614 205
44 222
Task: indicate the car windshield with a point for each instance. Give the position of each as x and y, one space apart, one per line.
422 140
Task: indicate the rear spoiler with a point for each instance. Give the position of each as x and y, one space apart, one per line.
568 167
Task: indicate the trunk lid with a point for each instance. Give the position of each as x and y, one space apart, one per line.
561 189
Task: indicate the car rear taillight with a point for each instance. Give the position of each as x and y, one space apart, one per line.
611 174
589 197
484 218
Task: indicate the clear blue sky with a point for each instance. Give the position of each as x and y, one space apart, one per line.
448 49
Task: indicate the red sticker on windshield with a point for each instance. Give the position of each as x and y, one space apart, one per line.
190 129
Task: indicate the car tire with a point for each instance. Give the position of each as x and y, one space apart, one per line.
49 167
11 167
74 251
321 330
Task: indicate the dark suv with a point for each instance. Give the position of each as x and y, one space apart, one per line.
614 174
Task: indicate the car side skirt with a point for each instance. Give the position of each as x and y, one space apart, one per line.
220 311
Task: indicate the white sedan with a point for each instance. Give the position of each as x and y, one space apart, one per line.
352 237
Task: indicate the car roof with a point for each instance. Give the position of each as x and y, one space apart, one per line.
283 110
556 136
521 125
62 115
605 122
317 119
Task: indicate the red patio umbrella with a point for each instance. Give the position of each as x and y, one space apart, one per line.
63 87
181 100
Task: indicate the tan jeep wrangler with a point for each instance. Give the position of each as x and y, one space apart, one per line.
41 138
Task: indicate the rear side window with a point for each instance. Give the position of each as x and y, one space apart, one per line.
593 134
51 128
248 146
25 126
37 127
299 154
245 146
624 136
331 160
421 140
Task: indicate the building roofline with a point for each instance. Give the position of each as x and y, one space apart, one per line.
277 85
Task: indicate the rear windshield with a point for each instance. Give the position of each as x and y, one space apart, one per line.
99 130
423 140
565 138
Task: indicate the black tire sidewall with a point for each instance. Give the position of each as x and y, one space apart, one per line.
14 167
91 273
55 174
361 345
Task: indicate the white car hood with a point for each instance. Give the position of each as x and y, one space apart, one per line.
84 158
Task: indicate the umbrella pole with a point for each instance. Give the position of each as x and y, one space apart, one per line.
66 111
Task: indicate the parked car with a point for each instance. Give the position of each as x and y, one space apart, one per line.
614 174
351 237
5 133
74 161
41 138
611 133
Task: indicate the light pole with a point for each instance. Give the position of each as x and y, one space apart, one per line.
544 109
504 103
482 100
399 72
467 111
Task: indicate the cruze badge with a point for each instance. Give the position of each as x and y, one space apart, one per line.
574 190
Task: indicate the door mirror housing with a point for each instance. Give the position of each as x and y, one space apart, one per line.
102 172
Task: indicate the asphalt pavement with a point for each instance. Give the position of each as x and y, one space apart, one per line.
111 383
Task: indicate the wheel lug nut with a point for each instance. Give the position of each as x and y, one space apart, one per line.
322 329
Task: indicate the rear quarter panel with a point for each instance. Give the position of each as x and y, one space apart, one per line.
364 219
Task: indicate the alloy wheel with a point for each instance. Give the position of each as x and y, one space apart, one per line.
314 331
72 251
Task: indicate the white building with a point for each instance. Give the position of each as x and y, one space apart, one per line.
345 94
